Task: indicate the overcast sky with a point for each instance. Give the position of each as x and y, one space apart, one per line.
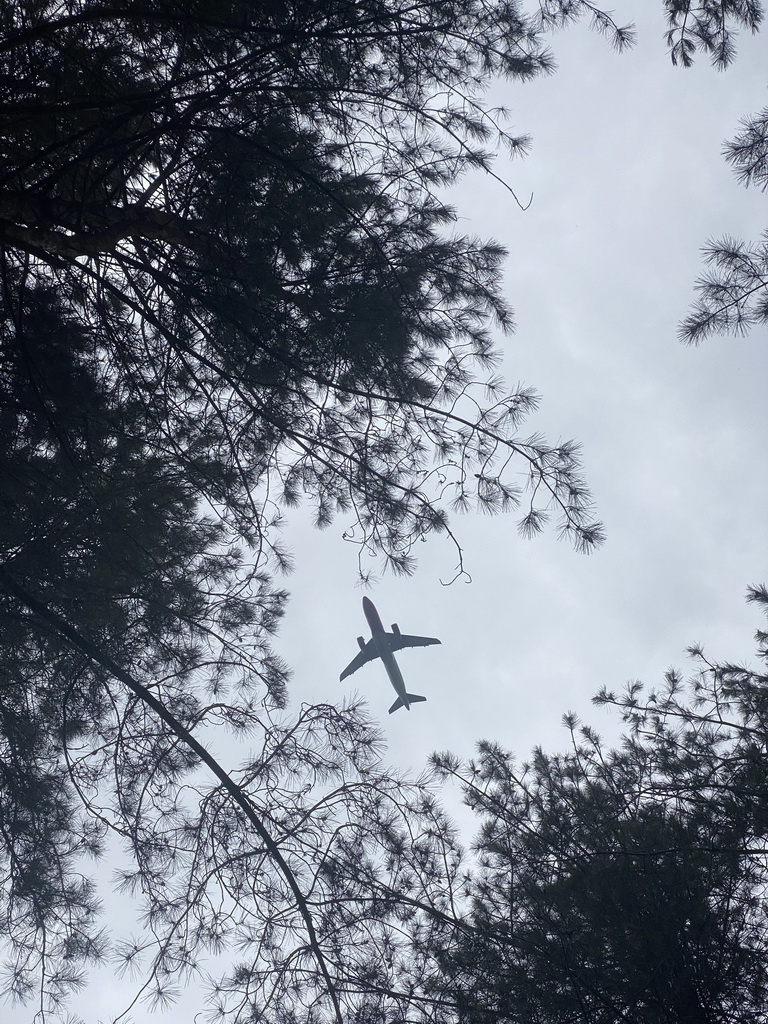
628 182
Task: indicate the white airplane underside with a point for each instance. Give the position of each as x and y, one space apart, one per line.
384 645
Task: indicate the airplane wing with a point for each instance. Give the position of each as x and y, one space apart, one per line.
368 653
397 641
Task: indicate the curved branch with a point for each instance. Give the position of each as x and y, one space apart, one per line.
236 793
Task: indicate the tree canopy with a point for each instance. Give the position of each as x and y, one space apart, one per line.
732 292
627 883
239 208
230 282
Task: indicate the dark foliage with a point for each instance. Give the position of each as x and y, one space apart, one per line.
709 26
733 292
624 884
227 284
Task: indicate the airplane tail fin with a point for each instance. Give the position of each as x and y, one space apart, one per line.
413 698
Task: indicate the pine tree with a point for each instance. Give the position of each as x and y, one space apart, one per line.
628 883
732 293
228 284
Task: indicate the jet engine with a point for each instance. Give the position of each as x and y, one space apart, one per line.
361 643
395 629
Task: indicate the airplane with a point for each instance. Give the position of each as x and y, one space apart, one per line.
383 645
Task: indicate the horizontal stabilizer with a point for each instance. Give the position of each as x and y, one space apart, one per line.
413 698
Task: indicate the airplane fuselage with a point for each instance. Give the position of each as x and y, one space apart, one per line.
378 635
382 647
